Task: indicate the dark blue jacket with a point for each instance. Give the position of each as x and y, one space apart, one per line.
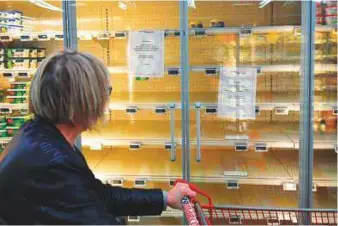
44 180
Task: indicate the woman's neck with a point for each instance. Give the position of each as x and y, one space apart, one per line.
70 132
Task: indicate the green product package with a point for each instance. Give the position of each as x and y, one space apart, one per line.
18 122
15 121
3 133
21 86
3 126
9 53
2 96
3 119
142 78
19 100
9 64
20 93
11 131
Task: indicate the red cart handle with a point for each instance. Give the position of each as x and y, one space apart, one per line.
197 190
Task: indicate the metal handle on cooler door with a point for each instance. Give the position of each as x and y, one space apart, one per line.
198 131
172 133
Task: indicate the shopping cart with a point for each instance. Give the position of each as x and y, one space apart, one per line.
209 214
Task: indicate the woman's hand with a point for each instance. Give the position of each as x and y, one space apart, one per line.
176 194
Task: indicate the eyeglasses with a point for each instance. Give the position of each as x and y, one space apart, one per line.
110 89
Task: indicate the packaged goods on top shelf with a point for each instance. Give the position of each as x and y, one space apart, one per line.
14 21
10 14
10 21
213 24
326 13
320 18
217 23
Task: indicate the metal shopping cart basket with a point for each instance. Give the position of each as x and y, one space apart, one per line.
209 214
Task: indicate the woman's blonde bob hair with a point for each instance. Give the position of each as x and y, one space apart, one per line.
70 87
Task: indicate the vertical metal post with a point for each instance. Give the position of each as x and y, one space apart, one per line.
306 110
69 24
70 35
184 54
172 133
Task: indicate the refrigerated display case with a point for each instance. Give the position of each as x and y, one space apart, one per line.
163 127
28 33
262 151
239 162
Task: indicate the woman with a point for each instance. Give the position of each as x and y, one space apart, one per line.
44 178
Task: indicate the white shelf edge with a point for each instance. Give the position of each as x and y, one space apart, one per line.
14 106
280 144
208 31
17 70
202 68
263 68
324 106
152 106
264 181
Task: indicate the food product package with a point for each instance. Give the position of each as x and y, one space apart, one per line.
33 63
3 119
198 24
11 131
217 23
3 133
18 53
16 121
17 63
41 53
18 85
33 53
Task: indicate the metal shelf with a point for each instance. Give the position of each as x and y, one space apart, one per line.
323 106
13 106
31 36
105 35
194 179
203 68
20 73
277 181
261 68
101 143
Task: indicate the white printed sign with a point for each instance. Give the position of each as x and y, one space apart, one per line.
237 93
146 53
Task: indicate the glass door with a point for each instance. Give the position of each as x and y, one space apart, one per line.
245 103
137 144
325 105
28 33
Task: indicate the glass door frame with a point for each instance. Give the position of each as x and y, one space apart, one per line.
306 152
70 35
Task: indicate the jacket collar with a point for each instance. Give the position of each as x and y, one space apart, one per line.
48 125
